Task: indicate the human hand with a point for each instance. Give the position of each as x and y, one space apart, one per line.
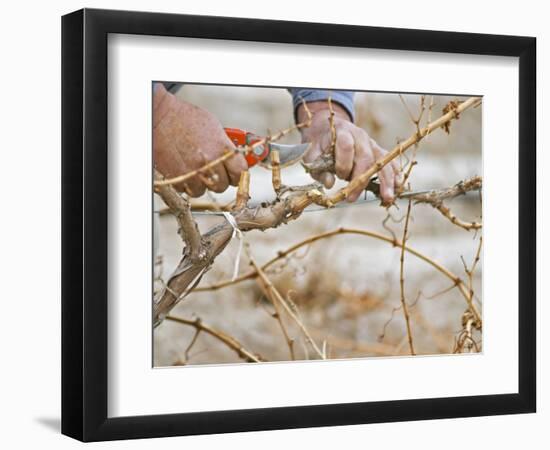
355 150
185 138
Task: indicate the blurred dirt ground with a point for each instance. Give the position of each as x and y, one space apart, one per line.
347 286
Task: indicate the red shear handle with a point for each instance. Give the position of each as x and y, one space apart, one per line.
242 138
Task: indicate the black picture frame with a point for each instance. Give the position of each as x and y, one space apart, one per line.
84 224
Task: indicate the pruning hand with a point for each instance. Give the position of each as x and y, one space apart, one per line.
355 150
185 138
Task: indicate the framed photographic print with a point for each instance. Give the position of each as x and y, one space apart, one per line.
273 224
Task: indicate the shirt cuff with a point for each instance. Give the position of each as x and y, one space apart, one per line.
343 98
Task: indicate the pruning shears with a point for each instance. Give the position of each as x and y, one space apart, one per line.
288 153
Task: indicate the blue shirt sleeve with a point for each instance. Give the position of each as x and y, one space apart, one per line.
343 98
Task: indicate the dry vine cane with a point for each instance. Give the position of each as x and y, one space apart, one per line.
229 341
200 251
465 340
404 305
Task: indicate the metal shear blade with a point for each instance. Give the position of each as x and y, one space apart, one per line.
289 153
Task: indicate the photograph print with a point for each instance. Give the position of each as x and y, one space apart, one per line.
300 224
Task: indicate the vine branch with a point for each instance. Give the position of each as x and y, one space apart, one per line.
181 209
402 280
279 298
456 280
229 341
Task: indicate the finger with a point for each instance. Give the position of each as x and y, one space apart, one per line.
218 177
312 153
196 185
325 141
327 179
398 173
387 175
169 162
387 184
364 159
192 186
357 170
235 164
344 155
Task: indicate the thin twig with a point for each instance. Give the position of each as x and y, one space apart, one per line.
402 280
180 208
229 341
275 171
243 190
471 270
277 315
374 348
190 346
416 122
455 220
465 337
182 178
199 205
407 108
460 188
279 298
435 198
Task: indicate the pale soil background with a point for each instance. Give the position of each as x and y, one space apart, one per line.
345 287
